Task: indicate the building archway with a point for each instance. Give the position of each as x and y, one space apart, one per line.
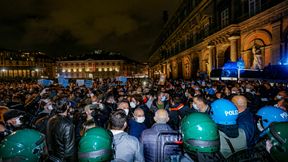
262 40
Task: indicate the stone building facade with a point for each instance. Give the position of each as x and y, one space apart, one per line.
204 34
25 64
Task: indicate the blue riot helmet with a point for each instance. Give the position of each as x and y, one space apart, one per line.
269 114
224 112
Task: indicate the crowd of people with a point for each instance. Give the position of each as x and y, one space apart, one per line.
193 120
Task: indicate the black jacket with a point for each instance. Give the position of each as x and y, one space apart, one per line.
61 138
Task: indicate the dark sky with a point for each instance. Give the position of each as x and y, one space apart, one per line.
60 26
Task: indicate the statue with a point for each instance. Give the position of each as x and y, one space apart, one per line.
257 58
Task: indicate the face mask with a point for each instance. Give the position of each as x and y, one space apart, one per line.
50 107
195 107
233 92
94 102
132 105
18 122
88 95
163 98
187 95
259 126
248 90
140 119
278 97
126 111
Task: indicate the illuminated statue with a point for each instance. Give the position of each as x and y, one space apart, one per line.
257 58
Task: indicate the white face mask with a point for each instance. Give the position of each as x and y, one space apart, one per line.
278 97
140 119
126 111
248 90
195 106
50 107
259 126
18 122
163 98
132 105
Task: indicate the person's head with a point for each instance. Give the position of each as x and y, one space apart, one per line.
89 110
175 99
124 105
161 116
88 125
13 117
118 120
110 99
224 112
138 115
281 95
62 106
219 95
283 104
269 114
199 103
277 145
249 88
161 96
235 90
240 102
23 145
47 105
96 145
200 133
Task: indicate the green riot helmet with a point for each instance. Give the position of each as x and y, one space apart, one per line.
278 134
200 133
96 145
23 145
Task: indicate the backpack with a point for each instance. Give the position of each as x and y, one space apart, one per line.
169 146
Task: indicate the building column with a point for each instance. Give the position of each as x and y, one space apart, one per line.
233 47
164 68
276 40
210 58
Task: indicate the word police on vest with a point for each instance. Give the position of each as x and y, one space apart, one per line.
231 112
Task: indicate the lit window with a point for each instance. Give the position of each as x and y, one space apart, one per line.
63 71
80 70
99 69
110 69
69 70
105 69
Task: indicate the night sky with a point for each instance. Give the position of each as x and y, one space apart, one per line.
59 27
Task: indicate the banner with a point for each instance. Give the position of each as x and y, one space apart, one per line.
45 82
80 82
62 81
123 80
88 83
